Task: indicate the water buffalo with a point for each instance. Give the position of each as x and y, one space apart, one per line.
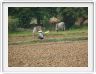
37 28
60 26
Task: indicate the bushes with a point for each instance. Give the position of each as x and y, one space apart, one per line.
12 24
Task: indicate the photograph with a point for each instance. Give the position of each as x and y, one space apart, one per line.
47 36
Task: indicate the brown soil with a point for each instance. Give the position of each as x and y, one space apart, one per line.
14 39
54 54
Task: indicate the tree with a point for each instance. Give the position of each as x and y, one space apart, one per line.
69 15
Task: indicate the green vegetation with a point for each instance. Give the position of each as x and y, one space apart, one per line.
21 21
27 32
22 17
70 35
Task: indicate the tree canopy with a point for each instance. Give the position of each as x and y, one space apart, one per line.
66 14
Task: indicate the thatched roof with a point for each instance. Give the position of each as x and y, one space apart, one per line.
53 20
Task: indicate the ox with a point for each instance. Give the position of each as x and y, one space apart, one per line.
36 29
60 26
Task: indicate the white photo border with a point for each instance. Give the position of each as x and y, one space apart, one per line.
95 36
0 36
48 0
5 67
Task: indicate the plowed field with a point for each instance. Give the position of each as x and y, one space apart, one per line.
51 54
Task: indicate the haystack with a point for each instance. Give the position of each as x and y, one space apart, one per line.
54 20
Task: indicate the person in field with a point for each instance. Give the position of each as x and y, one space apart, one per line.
40 35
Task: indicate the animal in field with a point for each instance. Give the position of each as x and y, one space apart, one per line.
37 28
60 26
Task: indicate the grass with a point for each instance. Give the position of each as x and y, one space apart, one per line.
68 32
69 35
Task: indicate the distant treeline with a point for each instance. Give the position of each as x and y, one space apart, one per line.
28 17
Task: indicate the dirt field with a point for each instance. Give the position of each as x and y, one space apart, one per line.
51 54
28 38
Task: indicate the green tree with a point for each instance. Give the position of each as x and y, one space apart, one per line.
66 14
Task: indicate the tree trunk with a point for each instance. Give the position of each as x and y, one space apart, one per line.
81 23
38 20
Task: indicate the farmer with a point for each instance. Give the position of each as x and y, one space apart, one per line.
40 35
